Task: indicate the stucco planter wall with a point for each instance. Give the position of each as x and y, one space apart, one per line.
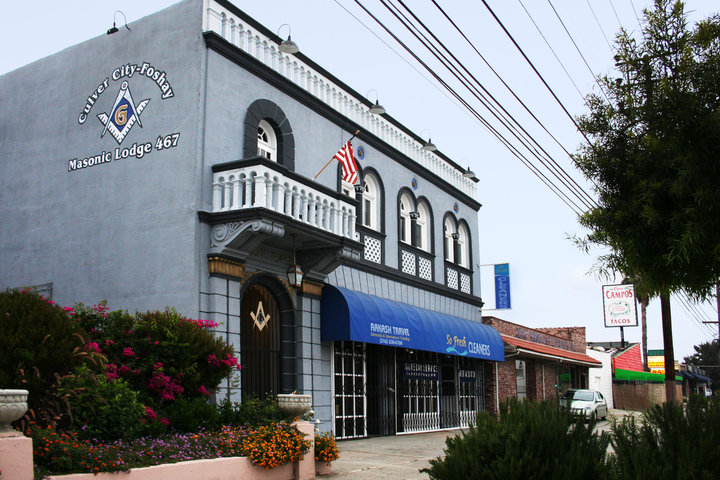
227 468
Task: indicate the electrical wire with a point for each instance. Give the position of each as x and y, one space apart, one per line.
600 26
502 114
476 114
536 72
552 50
579 52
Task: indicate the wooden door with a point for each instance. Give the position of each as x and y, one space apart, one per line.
260 343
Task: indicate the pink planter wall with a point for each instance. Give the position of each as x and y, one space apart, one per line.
228 468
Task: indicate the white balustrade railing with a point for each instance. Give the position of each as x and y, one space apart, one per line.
258 186
220 20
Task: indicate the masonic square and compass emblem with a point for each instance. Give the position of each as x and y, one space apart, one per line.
259 317
123 115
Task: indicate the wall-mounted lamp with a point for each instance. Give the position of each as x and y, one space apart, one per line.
114 29
287 46
469 174
295 273
414 215
376 109
428 146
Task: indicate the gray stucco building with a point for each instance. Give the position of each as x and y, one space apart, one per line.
184 177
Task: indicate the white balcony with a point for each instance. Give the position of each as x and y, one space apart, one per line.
258 185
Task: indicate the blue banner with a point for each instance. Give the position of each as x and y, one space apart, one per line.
502 286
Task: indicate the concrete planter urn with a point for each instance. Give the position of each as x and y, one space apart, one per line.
322 468
13 405
294 404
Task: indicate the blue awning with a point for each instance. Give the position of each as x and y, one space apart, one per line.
350 315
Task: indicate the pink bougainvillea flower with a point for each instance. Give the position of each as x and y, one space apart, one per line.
150 414
128 352
203 391
93 347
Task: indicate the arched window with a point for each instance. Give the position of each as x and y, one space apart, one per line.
422 227
371 202
267 133
463 246
266 141
449 233
407 205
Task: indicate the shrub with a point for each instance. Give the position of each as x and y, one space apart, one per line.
671 442
529 440
272 445
162 355
40 342
56 452
193 415
326 449
101 408
253 411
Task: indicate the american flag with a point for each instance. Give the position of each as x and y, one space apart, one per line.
346 158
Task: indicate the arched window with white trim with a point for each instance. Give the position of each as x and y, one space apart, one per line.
422 227
449 233
463 246
371 202
407 205
266 141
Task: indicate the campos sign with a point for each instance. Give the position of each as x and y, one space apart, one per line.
619 306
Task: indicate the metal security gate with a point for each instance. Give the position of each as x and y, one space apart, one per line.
470 388
382 390
420 392
349 373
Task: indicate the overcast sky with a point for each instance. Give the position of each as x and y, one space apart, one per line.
522 222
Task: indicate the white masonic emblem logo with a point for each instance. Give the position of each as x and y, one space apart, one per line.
123 115
259 317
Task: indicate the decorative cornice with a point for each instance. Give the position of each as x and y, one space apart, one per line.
310 287
218 265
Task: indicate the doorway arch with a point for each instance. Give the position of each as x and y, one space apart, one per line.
267 338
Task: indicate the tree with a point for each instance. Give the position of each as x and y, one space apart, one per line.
652 152
707 354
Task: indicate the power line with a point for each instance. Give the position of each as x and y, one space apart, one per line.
477 115
552 50
550 163
575 186
599 25
579 52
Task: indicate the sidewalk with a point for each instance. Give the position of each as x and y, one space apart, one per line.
401 457
398 457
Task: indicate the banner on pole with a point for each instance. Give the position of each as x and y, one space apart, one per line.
502 286
619 306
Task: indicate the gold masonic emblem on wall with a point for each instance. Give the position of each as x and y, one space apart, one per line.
259 317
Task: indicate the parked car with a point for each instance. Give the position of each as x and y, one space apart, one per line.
585 402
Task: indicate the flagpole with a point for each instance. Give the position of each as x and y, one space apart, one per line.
333 158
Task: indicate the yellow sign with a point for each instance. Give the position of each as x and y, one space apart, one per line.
259 317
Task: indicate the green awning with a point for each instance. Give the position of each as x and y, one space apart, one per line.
630 375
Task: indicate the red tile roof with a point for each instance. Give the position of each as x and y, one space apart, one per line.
552 351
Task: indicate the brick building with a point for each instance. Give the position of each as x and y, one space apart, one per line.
539 363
